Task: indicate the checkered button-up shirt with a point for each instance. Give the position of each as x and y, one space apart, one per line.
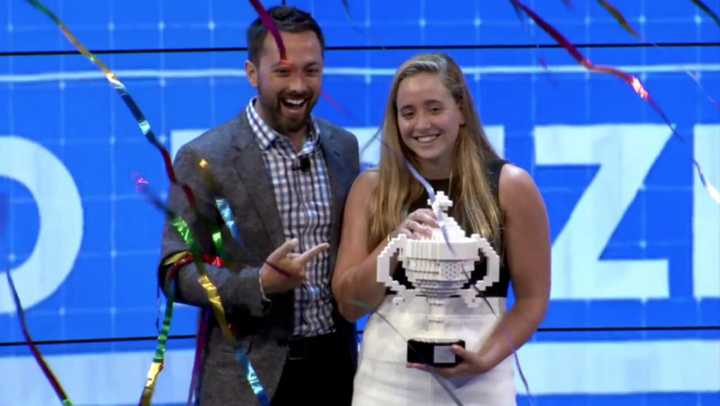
303 196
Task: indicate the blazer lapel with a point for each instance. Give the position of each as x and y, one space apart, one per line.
336 168
251 171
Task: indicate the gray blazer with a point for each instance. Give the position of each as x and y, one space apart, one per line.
240 177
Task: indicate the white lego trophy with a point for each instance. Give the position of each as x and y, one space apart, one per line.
438 270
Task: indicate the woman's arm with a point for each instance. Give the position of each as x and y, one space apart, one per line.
354 281
527 246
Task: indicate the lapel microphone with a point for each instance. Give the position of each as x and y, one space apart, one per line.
303 164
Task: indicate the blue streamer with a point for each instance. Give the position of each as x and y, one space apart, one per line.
227 216
252 377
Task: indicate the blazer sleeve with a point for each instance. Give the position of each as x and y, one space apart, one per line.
355 154
352 149
239 288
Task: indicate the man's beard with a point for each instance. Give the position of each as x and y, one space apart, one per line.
288 125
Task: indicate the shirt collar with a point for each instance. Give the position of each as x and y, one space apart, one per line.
267 137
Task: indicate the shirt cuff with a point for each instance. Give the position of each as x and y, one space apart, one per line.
262 291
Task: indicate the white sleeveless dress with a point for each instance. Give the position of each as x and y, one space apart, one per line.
383 379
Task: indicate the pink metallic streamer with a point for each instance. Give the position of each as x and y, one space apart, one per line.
337 105
629 79
620 18
269 24
546 68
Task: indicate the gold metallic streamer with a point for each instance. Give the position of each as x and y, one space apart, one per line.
179 260
185 233
216 304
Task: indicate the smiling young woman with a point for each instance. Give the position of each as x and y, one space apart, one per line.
430 122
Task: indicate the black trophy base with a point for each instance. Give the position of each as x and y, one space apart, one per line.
435 353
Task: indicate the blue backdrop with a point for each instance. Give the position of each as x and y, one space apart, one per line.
636 238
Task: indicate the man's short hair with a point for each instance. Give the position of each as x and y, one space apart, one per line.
287 19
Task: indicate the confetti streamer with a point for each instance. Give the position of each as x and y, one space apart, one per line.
49 374
183 230
225 214
160 350
122 91
337 105
270 25
369 142
624 23
361 28
346 7
707 10
694 76
618 17
185 233
629 79
39 359
548 73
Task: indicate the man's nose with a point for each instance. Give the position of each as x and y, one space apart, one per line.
298 83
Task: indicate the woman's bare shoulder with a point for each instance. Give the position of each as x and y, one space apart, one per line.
518 190
367 181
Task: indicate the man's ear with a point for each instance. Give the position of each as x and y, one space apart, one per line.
251 72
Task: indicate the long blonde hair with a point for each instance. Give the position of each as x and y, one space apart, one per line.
474 199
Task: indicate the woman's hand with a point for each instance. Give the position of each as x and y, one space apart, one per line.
472 364
417 225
